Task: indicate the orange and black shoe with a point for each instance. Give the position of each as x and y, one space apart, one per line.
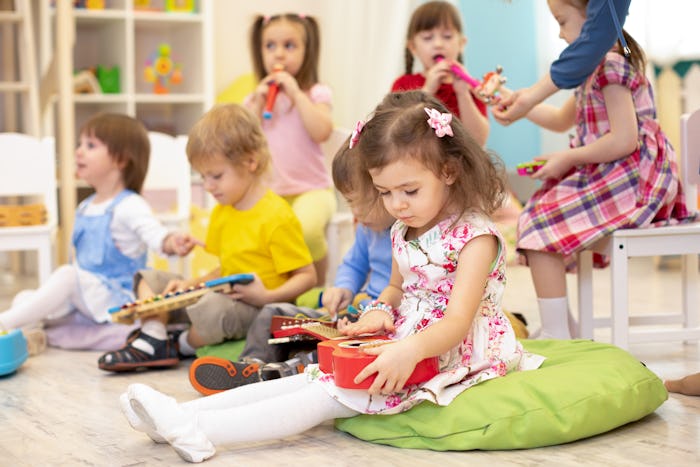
209 375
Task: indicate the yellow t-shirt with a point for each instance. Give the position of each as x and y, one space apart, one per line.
265 239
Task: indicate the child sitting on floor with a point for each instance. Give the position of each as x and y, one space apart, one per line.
365 270
251 230
113 230
443 297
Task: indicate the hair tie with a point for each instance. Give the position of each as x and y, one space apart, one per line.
355 137
440 122
266 19
301 16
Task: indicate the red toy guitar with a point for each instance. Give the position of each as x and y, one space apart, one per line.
345 359
286 329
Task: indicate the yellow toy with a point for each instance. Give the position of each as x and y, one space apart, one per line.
162 71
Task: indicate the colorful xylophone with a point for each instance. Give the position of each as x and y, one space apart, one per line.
159 304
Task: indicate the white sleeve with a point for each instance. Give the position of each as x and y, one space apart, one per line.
135 229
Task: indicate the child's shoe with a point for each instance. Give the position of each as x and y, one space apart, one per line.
141 351
293 366
209 375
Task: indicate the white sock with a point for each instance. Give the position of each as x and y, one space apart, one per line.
155 329
185 348
54 296
554 315
164 416
135 422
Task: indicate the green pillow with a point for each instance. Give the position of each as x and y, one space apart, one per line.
230 350
583 389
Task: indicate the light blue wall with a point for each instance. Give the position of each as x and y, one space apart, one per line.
500 32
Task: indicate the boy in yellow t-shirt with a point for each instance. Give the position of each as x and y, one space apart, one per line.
251 230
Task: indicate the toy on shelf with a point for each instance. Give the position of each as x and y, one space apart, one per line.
17 215
13 351
529 168
162 70
90 4
179 6
485 90
159 304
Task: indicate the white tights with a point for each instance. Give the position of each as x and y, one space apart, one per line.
58 296
270 410
256 412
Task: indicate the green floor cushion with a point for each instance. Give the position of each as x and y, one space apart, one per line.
583 389
230 350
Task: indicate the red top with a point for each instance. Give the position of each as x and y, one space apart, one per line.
445 93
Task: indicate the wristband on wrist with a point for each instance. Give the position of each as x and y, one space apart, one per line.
377 305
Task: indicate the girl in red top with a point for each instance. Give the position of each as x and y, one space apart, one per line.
435 38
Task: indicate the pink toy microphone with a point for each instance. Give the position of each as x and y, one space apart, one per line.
461 74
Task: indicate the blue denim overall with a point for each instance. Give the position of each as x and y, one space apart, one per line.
96 252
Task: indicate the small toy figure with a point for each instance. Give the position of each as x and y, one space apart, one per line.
490 85
485 90
162 71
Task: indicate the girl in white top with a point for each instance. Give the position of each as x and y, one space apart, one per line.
113 230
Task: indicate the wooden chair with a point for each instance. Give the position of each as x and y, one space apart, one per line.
168 187
28 175
340 230
624 244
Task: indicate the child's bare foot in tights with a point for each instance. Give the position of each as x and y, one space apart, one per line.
690 385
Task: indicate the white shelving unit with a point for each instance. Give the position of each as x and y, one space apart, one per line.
127 38
122 36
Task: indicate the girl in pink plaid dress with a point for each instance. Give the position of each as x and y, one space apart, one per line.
443 299
620 171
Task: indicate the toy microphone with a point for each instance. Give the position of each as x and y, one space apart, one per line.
460 73
270 103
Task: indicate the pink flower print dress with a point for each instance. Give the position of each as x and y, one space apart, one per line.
490 349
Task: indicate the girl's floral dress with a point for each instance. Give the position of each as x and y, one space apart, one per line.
428 264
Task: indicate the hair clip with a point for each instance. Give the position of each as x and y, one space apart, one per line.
301 16
355 137
266 19
440 122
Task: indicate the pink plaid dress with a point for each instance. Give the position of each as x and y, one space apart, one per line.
489 350
592 200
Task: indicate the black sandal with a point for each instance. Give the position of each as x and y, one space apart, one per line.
130 358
